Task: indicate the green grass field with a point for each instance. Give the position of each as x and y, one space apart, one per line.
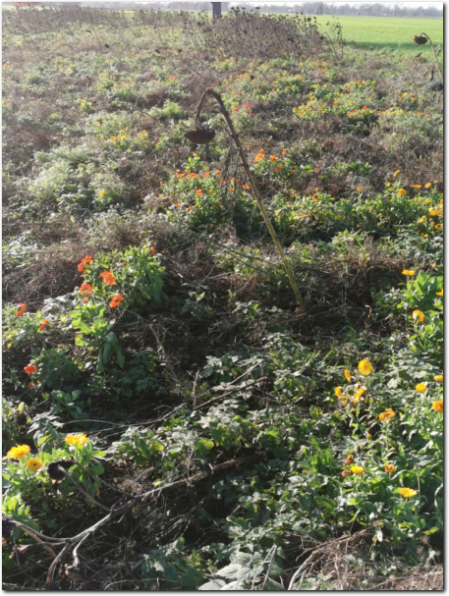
389 32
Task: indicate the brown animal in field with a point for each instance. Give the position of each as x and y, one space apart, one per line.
419 40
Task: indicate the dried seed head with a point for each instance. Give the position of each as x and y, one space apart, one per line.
419 40
201 136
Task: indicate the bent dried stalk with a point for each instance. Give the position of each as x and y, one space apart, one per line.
252 182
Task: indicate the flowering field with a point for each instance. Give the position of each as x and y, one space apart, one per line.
173 418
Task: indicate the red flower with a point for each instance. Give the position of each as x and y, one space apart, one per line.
32 385
43 325
30 369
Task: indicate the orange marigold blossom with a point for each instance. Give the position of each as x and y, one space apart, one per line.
116 300
273 158
438 406
85 300
30 369
152 251
21 310
86 289
385 416
108 278
32 385
246 186
402 192
199 192
278 168
85 261
43 324
389 468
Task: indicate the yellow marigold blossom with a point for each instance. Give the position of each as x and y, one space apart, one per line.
421 387
407 492
76 439
408 272
438 378
402 192
385 416
315 198
358 394
34 464
434 212
102 193
369 436
428 185
438 406
365 367
357 470
416 185
338 392
418 315
18 452
347 374
396 173
389 468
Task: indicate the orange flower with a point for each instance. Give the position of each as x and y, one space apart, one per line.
108 278
389 468
199 192
246 186
278 168
43 325
30 369
85 289
211 225
85 300
273 158
152 251
31 385
218 171
84 262
283 152
22 309
116 300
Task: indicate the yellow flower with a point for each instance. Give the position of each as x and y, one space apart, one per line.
359 187
369 436
34 464
402 192
434 212
344 403
438 406
358 394
365 367
438 378
407 492
440 293
18 452
102 193
357 470
389 468
416 185
338 392
421 387
428 185
408 272
385 416
347 375
396 173
417 315
76 439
